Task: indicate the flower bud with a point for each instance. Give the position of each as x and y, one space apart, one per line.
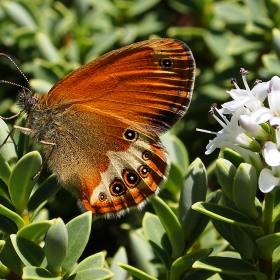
254 130
247 142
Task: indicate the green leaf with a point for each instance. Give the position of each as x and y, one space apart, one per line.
275 260
24 33
227 215
5 196
10 258
175 177
267 244
157 237
41 85
225 230
276 41
8 150
276 208
21 182
184 263
136 272
185 32
257 9
217 41
212 198
56 243
172 226
141 6
78 234
271 62
92 274
30 253
21 140
225 172
5 170
149 24
37 273
46 47
94 261
2 244
243 243
193 190
238 15
119 257
4 271
19 14
42 195
142 252
239 45
176 149
230 266
12 216
105 40
49 72
35 231
244 190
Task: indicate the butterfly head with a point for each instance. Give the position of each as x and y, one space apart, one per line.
27 100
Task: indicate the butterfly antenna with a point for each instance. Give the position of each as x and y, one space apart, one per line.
14 84
11 83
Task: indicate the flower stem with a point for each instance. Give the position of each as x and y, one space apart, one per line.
25 216
268 212
266 268
266 264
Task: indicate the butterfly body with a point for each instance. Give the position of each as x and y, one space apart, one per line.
100 125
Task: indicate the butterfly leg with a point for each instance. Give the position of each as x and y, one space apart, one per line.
23 129
12 117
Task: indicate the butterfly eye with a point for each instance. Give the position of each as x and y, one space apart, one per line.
130 135
144 171
31 100
166 63
131 178
102 196
117 188
146 155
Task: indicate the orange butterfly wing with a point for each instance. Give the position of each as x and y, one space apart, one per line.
108 115
132 84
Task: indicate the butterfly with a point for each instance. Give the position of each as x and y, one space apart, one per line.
100 125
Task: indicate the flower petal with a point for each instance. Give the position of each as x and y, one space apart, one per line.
253 129
267 182
238 94
271 154
260 91
260 115
236 104
275 121
274 94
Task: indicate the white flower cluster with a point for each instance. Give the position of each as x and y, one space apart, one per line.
254 127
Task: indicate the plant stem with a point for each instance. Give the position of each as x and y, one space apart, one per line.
268 213
266 265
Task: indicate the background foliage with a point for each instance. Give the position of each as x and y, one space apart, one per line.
48 39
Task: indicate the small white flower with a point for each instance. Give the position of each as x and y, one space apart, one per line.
271 114
242 131
269 179
231 133
251 99
271 152
253 129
